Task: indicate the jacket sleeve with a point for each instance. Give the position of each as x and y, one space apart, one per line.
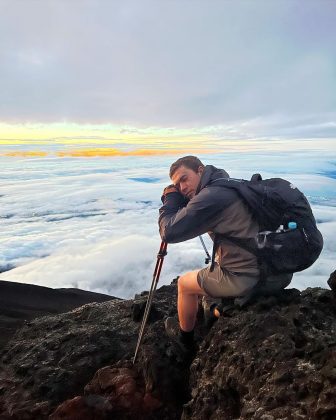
180 221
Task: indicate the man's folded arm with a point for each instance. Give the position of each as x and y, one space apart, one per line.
180 221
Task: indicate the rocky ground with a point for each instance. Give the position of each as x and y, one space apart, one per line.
20 302
274 359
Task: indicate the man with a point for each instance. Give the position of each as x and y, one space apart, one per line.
193 205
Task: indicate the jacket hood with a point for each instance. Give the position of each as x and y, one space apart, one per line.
210 173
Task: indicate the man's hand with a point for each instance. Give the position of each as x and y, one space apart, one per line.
170 189
173 195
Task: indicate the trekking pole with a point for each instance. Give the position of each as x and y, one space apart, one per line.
161 254
208 258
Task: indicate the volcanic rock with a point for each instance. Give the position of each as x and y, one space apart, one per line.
20 302
273 359
332 282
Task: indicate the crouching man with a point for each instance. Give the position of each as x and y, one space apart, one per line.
192 206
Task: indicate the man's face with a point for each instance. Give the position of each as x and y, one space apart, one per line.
187 180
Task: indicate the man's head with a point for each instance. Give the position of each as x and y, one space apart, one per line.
186 174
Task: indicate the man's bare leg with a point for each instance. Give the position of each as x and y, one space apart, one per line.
187 300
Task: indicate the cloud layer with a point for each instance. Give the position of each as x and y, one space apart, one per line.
92 223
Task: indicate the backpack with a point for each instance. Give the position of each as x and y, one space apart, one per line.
281 246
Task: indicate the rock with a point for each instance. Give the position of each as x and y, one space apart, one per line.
21 302
332 282
138 309
260 373
83 408
273 359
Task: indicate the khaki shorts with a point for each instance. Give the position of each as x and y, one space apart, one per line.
224 283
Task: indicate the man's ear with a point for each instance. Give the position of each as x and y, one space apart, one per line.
200 170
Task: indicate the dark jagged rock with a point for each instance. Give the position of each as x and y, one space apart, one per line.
332 282
51 359
274 359
20 302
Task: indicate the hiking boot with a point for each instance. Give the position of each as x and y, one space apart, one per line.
182 347
208 305
213 308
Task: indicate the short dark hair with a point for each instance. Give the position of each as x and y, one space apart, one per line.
190 162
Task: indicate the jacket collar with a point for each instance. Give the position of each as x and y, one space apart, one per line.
210 173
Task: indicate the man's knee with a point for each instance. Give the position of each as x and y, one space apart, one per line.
188 282
182 282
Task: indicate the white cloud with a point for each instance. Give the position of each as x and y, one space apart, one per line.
119 267
75 223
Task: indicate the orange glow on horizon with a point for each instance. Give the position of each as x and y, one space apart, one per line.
115 152
104 152
25 154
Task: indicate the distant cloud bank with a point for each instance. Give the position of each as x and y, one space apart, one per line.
92 223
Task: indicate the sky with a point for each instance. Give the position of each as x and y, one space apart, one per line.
234 69
99 97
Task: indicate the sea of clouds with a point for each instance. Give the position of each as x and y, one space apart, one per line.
91 223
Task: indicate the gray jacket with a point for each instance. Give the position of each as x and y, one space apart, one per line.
213 209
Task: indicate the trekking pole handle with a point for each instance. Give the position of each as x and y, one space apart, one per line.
163 250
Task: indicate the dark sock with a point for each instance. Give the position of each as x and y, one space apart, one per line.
187 337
